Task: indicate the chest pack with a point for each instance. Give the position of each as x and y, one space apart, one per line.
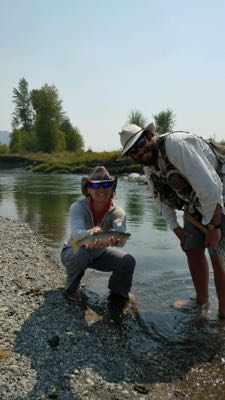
172 187
219 151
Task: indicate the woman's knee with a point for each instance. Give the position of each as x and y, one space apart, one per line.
69 259
129 262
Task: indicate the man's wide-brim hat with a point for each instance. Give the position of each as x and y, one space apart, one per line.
97 175
131 133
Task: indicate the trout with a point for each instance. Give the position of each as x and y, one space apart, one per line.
103 235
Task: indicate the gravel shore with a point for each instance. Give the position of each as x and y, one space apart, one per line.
50 349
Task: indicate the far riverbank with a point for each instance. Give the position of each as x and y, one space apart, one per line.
66 163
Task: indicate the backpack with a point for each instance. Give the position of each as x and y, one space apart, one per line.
164 184
218 150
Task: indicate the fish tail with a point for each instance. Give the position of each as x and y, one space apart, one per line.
75 246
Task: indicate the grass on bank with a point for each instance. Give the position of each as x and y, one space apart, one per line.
70 158
67 162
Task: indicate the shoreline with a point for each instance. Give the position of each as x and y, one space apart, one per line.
50 349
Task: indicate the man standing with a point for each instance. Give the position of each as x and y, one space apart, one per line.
182 173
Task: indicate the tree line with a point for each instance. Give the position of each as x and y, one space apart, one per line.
39 122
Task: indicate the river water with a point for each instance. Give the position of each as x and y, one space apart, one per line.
183 338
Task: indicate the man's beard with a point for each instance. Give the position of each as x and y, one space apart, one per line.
151 158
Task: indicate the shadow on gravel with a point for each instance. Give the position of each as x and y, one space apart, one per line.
74 347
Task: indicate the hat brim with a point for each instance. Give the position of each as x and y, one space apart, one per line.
100 180
150 127
132 142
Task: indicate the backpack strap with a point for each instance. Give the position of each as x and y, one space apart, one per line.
220 155
161 143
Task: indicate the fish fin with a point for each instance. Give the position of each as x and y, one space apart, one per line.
75 246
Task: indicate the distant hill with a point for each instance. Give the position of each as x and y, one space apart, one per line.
4 137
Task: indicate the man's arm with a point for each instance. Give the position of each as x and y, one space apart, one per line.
213 235
190 157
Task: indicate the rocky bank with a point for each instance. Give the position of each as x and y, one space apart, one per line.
50 349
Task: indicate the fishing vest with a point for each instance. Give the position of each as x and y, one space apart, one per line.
172 187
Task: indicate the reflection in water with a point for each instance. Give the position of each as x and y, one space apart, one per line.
158 221
138 202
40 200
134 205
44 206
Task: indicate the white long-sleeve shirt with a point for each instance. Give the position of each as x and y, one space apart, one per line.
195 160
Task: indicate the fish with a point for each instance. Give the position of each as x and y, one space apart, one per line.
103 235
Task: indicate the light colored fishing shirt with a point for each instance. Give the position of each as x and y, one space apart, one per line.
195 160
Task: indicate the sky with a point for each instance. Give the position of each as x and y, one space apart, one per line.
107 58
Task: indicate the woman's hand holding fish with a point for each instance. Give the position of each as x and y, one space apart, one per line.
97 244
100 243
100 239
112 241
95 230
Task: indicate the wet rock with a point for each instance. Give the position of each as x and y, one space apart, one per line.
54 341
141 388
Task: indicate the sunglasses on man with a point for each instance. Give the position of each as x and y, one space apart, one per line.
98 185
138 145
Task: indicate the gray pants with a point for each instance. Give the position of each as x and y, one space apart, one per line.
114 260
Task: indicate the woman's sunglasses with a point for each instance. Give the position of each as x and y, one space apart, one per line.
98 185
138 145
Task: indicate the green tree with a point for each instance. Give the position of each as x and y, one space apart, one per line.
48 118
73 139
22 141
22 117
4 149
137 118
164 121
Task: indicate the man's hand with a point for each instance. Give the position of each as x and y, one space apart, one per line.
182 235
213 236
